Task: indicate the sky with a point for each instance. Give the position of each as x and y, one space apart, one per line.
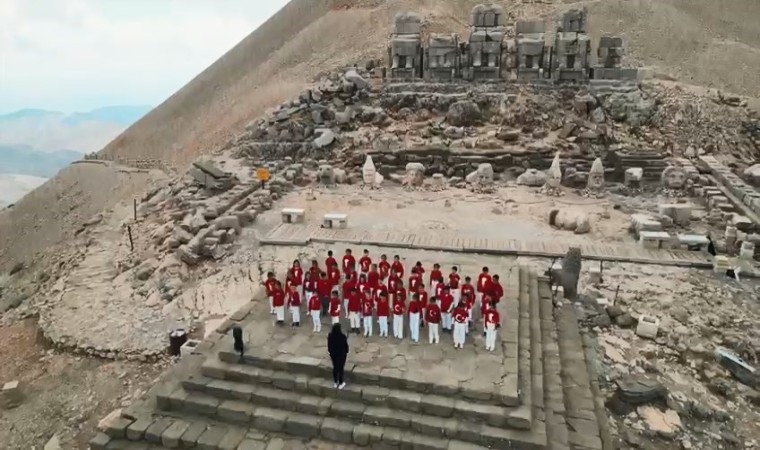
79 55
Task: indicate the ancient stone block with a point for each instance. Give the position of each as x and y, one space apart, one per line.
269 419
232 439
190 436
157 428
235 411
170 438
136 431
211 438
338 431
303 425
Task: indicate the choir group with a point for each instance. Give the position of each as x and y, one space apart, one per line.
376 291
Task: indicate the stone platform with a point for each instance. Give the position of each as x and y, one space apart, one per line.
534 392
299 234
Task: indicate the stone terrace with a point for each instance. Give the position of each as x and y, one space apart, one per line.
532 393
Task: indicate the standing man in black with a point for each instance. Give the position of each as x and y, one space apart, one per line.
337 347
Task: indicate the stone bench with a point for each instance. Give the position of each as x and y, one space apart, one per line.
293 215
333 219
654 240
694 242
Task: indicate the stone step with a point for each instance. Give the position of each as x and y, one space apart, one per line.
506 395
362 427
171 432
269 388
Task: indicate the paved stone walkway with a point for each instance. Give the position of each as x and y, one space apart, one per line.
297 234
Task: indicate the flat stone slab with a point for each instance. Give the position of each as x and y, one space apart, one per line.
301 234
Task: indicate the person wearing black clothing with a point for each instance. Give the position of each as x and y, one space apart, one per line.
337 346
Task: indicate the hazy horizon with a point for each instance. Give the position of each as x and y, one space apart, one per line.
80 55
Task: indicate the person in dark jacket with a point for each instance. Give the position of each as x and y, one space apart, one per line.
337 346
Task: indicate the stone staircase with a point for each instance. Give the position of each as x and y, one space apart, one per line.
652 162
244 403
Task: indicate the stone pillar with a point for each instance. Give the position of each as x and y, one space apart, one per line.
748 250
571 271
730 236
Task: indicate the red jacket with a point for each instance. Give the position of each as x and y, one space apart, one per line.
373 279
365 262
278 297
324 287
423 298
269 285
335 307
435 274
460 315
294 299
447 302
398 307
314 303
493 317
297 275
334 276
384 267
468 291
400 294
414 281
349 263
483 280
415 307
383 308
381 289
354 302
398 268
329 262
393 283
367 307
433 314
348 286
496 290
454 279
311 285
439 289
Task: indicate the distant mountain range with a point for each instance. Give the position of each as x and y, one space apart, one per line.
52 131
36 143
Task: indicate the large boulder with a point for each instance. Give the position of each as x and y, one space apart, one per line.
353 76
532 177
752 174
463 113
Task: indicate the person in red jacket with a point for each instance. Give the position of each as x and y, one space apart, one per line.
383 311
333 274
310 284
294 304
330 260
439 287
447 308
368 308
460 325
323 290
399 306
354 310
335 307
373 278
454 284
415 281
433 317
297 275
269 285
468 297
484 280
423 302
365 262
415 309
363 285
393 283
493 322
385 268
315 307
278 301
435 276
397 267
348 286
349 262
496 290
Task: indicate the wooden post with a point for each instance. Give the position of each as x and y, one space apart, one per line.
134 208
131 242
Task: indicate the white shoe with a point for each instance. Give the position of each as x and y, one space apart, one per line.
342 385
335 385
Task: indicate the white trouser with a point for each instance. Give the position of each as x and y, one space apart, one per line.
446 317
345 306
335 319
353 318
433 333
368 326
316 320
295 312
398 326
280 312
460 330
431 288
457 294
383 322
479 298
490 337
414 326
271 304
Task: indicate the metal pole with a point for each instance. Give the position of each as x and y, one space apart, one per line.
131 242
